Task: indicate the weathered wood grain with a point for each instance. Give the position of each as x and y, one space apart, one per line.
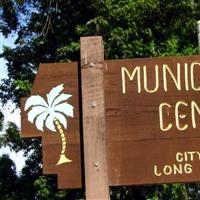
94 131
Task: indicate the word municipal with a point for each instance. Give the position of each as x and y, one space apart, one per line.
162 75
183 79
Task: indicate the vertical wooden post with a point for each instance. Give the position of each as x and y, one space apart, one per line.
95 156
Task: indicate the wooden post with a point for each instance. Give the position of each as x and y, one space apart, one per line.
94 135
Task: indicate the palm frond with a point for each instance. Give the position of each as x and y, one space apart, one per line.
44 113
49 123
34 112
35 100
65 108
61 98
39 122
54 93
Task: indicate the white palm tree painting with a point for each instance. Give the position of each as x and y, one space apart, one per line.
51 114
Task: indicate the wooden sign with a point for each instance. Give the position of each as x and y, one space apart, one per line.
52 112
153 120
140 117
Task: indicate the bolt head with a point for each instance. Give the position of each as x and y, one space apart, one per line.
96 164
94 104
91 64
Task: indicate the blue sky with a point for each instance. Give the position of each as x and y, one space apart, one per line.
2 61
8 110
10 113
5 42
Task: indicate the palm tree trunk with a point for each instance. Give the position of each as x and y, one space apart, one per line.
63 158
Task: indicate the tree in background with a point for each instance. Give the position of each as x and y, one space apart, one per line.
49 31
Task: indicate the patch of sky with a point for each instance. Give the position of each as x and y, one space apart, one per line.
9 110
9 42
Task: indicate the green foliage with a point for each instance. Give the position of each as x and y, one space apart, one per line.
20 2
43 189
30 184
73 48
24 85
8 14
130 29
8 180
169 192
49 31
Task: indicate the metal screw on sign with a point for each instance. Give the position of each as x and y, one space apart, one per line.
198 34
91 64
96 164
94 104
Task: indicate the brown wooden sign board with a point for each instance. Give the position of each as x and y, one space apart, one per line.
152 109
153 120
49 76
